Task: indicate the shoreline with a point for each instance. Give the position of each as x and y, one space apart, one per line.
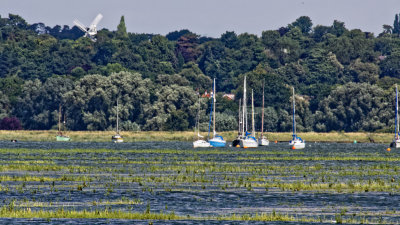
105 136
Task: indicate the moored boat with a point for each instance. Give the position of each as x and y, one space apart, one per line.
60 135
217 140
296 142
249 140
117 138
199 143
396 140
262 141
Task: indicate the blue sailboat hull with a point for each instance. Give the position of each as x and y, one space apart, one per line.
217 141
217 144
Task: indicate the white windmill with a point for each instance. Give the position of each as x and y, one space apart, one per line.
90 31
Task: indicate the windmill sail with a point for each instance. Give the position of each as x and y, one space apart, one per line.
90 31
80 25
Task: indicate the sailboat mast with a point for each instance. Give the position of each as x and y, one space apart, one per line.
397 114
197 126
214 100
63 127
252 114
244 111
262 113
294 112
239 120
117 117
59 119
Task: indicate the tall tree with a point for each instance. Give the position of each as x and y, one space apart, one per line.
304 23
121 29
396 25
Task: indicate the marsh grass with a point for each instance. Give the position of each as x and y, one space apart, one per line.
105 136
130 179
13 212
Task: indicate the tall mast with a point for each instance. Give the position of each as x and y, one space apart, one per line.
294 112
59 119
262 113
209 121
197 125
244 111
240 121
214 100
63 127
397 114
117 117
252 114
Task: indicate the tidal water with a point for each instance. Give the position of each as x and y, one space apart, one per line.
200 182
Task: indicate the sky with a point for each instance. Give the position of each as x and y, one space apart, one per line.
206 17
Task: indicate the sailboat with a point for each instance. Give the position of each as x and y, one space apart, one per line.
217 140
199 142
296 142
262 141
249 140
396 141
117 138
236 142
60 136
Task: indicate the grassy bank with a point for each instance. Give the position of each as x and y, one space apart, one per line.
105 136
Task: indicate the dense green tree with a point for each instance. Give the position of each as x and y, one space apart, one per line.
38 105
93 100
5 106
156 77
338 28
304 23
121 29
170 99
353 107
177 121
396 25
11 87
175 35
229 39
365 72
391 65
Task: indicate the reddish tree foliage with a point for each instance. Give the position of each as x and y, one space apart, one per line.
187 46
12 123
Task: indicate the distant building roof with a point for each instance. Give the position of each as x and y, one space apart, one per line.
229 96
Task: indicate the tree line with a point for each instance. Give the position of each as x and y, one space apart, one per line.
344 79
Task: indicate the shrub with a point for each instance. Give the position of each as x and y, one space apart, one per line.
12 123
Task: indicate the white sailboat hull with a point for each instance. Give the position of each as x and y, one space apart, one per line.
297 144
117 138
395 143
249 142
201 144
263 142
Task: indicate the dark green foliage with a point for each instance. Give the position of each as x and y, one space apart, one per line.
177 121
156 77
121 29
174 36
304 23
396 25
354 107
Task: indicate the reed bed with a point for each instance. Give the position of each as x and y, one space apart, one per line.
105 136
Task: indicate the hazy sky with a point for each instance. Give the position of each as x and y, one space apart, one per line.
206 17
